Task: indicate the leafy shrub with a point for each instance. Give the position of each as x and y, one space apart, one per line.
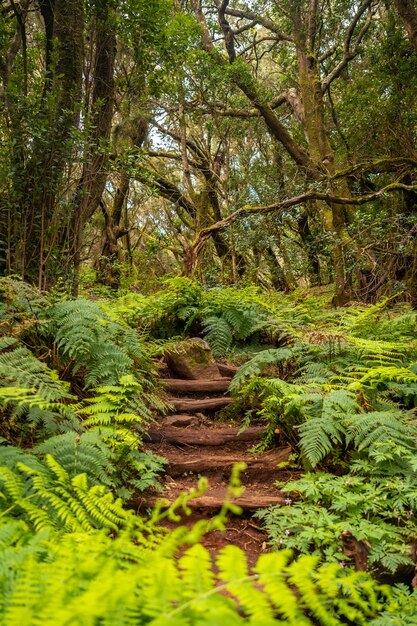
104 349
135 578
376 503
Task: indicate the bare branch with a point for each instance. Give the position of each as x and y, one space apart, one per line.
229 40
190 144
256 42
244 28
312 194
169 155
262 21
349 52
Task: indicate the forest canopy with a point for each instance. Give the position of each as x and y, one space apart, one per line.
271 142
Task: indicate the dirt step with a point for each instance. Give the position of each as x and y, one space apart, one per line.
240 531
249 501
203 437
195 386
191 405
266 462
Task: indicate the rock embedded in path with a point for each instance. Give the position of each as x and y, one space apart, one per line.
179 421
227 370
193 360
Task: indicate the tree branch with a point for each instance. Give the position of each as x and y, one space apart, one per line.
229 40
190 144
168 190
262 21
312 194
252 91
348 52
384 164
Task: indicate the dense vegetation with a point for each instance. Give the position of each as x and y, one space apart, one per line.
244 172
77 390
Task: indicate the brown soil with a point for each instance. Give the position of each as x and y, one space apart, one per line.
204 446
246 533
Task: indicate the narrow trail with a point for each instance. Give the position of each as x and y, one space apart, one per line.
197 442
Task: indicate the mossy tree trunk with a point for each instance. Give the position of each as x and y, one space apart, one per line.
95 168
38 177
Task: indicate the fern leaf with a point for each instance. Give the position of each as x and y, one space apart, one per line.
366 430
233 569
218 333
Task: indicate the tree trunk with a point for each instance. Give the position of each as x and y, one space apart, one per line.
37 186
94 174
310 246
108 265
321 152
407 11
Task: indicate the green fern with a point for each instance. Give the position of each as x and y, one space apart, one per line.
85 453
21 306
103 348
322 432
117 415
20 368
34 392
218 333
119 570
256 366
366 430
47 498
374 507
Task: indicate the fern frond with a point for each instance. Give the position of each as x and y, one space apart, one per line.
104 348
81 454
319 436
255 366
218 333
196 569
276 586
233 569
366 430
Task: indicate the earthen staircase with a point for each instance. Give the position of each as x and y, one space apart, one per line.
196 442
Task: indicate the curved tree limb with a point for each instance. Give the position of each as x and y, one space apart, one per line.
350 51
383 164
258 19
206 233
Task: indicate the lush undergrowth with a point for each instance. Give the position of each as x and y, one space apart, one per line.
78 387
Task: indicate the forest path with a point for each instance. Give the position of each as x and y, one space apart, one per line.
197 441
